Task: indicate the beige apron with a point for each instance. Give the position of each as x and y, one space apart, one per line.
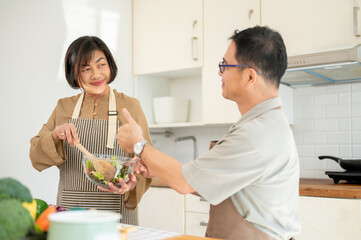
225 222
75 190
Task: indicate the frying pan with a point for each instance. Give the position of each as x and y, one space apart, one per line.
349 164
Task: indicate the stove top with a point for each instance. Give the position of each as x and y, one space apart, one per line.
353 177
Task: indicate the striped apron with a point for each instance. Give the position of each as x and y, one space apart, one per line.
75 190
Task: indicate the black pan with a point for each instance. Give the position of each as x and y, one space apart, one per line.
349 164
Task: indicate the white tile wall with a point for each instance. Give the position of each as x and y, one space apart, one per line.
327 121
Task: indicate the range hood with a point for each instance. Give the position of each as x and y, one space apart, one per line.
337 66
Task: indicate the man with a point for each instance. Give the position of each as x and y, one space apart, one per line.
251 175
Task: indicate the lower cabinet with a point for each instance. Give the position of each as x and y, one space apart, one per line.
329 218
163 208
321 218
197 215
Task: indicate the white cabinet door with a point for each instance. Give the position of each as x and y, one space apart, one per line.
162 208
196 215
219 25
196 223
329 218
167 35
310 25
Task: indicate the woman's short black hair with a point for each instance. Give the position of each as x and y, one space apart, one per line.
80 52
263 49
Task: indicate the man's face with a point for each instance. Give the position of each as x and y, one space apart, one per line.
233 79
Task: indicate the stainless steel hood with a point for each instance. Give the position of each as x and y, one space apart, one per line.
337 66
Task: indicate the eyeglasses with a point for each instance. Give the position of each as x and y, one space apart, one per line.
222 66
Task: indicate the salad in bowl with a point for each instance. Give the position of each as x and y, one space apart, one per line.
122 169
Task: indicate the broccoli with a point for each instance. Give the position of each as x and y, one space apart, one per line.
15 220
14 189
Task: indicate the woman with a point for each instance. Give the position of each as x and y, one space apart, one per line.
92 119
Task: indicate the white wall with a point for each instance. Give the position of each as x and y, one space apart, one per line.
34 36
327 122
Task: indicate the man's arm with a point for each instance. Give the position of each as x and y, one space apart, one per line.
162 166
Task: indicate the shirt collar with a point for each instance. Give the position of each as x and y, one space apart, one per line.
101 100
259 109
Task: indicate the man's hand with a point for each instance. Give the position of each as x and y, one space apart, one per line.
142 169
129 133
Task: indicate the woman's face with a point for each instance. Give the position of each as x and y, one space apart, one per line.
95 75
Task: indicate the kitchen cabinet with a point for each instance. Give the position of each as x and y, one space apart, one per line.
196 215
218 27
168 35
308 25
330 218
162 208
158 68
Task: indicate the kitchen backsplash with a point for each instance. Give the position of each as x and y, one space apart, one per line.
327 121
183 151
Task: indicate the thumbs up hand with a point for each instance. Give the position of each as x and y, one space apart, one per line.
129 133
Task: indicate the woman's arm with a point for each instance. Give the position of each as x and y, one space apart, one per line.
44 153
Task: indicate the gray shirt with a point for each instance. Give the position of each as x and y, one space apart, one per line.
256 164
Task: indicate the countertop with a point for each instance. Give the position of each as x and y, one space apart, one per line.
187 237
314 188
327 188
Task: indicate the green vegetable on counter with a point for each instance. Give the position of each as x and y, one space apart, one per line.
15 219
40 207
12 188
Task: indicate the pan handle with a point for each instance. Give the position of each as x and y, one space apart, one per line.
336 159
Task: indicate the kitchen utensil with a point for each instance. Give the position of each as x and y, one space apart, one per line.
103 167
348 176
123 169
84 224
347 164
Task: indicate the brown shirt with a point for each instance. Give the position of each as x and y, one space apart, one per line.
44 153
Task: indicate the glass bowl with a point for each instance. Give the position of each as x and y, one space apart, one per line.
123 169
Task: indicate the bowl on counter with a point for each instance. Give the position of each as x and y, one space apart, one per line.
170 109
85 224
122 169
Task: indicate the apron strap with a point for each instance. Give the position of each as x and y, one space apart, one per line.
77 107
112 113
112 125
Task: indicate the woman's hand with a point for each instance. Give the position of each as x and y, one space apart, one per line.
66 132
124 187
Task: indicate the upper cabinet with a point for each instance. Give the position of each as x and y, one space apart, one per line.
168 35
310 25
177 48
219 25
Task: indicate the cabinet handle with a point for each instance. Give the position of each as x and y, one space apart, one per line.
355 22
194 48
250 12
203 224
